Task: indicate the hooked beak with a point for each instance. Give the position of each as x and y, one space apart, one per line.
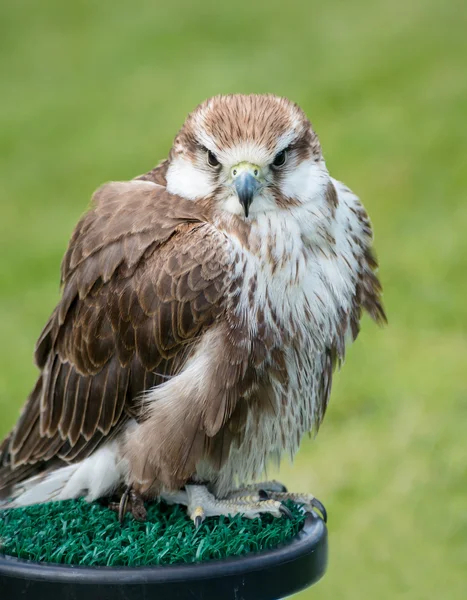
246 183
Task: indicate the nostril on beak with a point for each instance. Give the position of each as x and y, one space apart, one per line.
244 167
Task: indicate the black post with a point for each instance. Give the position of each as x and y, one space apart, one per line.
266 575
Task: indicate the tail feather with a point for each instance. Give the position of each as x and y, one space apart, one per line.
94 477
44 487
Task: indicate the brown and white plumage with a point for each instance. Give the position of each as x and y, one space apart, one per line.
193 342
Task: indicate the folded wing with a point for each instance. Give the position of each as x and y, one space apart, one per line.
143 277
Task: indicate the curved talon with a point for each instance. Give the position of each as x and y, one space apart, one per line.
263 495
122 507
286 511
198 515
198 521
320 506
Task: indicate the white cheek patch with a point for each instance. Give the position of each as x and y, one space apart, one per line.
306 181
185 180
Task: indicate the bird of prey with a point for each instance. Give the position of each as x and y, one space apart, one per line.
204 308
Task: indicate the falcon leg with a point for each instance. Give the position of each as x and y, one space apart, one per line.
202 504
131 502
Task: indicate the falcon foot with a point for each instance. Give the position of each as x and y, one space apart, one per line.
274 490
308 500
201 504
131 502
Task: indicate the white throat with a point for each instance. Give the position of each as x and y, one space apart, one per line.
185 180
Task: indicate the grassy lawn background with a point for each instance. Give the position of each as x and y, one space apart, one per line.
93 91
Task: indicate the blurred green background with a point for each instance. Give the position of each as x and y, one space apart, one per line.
93 91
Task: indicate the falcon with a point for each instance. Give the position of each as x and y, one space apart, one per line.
204 308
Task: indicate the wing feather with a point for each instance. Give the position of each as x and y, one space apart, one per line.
28 420
140 282
94 407
81 406
114 390
69 400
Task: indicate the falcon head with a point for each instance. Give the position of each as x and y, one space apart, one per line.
248 154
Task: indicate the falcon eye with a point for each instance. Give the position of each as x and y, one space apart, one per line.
212 160
279 159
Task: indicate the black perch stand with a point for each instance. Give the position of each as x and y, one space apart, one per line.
267 575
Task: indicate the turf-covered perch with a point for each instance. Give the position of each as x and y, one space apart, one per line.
78 533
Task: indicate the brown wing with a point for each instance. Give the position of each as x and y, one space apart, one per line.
144 274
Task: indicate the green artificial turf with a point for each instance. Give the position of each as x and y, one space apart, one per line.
75 532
